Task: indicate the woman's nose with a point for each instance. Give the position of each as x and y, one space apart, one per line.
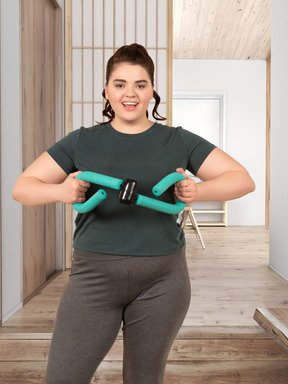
130 91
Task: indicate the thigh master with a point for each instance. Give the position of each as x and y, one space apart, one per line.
128 192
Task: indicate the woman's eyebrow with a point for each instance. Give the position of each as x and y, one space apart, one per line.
124 81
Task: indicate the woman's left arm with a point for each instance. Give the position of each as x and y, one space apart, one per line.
224 179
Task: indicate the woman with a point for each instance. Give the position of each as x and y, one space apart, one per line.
128 263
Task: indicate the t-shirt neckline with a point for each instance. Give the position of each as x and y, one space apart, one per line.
147 131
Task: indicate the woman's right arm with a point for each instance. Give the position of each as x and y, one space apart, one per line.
45 182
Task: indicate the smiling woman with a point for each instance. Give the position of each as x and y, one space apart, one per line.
129 265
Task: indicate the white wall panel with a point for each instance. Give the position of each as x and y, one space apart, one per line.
87 75
107 54
77 74
279 138
141 22
162 24
130 22
161 74
108 23
98 108
87 115
76 116
98 23
98 75
151 23
77 23
87 23
119 17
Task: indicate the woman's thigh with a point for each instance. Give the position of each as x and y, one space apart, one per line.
88 321
153 319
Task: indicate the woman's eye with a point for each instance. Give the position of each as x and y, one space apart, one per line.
119 85
141 86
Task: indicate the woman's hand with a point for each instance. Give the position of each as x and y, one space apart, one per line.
186 190
73 190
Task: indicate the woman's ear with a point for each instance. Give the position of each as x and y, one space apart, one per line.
106 92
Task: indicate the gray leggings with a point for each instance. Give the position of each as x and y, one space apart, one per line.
149 295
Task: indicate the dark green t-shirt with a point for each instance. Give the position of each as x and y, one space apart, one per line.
114 228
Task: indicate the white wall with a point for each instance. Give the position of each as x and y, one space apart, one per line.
279 140
244 83
10 156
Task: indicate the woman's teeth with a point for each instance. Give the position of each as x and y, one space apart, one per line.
130 104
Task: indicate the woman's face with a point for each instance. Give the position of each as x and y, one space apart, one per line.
129 92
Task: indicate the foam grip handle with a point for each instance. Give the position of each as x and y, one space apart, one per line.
160 206
103 180
166 182
92 203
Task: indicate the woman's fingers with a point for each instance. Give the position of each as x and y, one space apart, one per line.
185 190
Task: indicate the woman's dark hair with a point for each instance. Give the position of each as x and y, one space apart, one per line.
134 54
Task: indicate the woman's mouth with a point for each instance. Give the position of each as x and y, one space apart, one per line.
129 105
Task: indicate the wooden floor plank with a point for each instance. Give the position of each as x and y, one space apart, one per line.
182 350
275 322
265 372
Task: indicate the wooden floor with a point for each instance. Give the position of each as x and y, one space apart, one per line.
231 277
219 342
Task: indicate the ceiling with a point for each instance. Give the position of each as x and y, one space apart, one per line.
222 29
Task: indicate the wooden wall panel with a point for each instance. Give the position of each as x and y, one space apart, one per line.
48 129
32 42
38 42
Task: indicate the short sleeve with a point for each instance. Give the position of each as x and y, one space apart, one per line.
197 147
63 152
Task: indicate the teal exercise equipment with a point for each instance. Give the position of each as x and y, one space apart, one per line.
128 193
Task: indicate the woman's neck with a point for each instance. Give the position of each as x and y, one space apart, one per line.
131 127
